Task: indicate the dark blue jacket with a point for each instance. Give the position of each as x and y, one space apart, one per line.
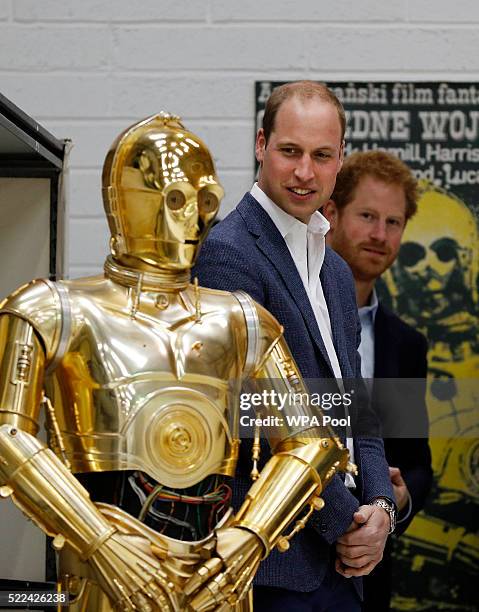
400 352
246 251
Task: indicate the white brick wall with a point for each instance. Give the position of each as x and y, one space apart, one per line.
87 69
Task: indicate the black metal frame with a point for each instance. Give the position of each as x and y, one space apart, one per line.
40 155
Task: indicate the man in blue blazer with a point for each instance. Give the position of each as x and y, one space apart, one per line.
374 196
272 246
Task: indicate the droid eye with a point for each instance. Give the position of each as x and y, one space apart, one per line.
175 199
207 201
446 249
410 254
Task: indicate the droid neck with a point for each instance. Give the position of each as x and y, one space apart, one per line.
163 280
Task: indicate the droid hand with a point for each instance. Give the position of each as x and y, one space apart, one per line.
131 575
227 576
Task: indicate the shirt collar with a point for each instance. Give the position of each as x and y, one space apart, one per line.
318 224
372 308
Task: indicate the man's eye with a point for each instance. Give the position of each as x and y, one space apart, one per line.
394 222
367 216
288 151
323 155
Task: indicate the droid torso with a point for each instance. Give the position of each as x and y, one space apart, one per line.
140 379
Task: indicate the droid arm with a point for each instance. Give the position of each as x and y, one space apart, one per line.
306 454
42 486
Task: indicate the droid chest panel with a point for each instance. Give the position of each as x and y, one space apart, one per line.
150 395
181 434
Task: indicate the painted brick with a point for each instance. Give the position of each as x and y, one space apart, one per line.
235 185
52 48
396 49
58 95
289 11
210 48
232 145
99 10
5 6
80 271
91 140
88 241
430 11
85 194
132 60
192 97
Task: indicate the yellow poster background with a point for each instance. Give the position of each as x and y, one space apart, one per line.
433 286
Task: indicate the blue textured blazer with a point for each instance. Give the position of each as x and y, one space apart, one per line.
246 251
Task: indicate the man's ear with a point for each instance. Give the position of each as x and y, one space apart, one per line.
330 211
260 145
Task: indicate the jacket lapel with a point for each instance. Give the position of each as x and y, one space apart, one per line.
272 245
332 294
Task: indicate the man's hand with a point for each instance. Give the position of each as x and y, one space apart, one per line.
361 548
401 492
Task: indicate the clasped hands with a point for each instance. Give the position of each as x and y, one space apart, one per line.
130 573
361 548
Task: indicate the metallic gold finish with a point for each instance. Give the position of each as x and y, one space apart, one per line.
289 481
318 503
21 366
161 194
58 541
256 450
283 543
119 566
351 468
140 370
56 430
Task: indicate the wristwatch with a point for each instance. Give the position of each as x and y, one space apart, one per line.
390 508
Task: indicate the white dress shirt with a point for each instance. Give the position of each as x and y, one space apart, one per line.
307 245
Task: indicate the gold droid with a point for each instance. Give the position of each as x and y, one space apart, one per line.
139 374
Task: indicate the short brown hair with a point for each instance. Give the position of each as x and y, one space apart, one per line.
380 165
304 90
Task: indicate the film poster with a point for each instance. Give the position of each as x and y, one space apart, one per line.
434 128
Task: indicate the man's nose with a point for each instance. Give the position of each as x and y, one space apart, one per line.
378 231
304 170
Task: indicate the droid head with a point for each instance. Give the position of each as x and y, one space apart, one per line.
160 193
